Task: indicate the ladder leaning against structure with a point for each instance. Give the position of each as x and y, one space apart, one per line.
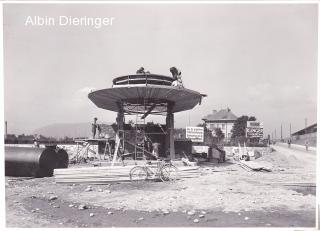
140 137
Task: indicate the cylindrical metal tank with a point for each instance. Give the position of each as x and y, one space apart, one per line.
62 158
34 162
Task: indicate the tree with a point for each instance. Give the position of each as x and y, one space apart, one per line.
203 125
208 137
239 127
218 133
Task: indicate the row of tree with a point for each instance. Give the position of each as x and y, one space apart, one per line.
216 136
30 139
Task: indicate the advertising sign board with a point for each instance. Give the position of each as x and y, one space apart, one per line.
196 134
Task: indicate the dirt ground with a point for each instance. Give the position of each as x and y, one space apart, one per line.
225 195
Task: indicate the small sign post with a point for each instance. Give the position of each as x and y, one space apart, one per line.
254 129
196 134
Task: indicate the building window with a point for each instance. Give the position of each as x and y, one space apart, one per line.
211 126
223 126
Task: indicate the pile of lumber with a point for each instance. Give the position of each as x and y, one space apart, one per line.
189 171
103 175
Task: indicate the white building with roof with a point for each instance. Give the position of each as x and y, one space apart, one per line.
223 119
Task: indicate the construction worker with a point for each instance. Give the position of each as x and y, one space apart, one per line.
175 72
99 130
36 141
176 75
94 127
289 143
140 70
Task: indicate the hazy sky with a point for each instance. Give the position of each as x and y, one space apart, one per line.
258 59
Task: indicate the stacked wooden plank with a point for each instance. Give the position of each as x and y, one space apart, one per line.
189 171
102 175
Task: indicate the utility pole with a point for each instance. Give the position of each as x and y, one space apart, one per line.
290 130
6 129
281 132
305 125
306 122
275 134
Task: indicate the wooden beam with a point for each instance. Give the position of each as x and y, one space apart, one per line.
149 111
119 135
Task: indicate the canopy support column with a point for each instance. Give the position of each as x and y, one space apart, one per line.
170 131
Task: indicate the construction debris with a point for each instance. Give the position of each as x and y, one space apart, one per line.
191 212
82 207
53 198
254 166
186 162
165 212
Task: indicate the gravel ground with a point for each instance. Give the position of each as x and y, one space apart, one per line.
225 195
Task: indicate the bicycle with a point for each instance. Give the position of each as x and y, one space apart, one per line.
165 171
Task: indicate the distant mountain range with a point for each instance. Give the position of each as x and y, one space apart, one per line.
73 130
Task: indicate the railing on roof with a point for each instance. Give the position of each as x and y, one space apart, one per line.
143 79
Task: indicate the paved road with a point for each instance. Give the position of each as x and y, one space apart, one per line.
298 147
308 158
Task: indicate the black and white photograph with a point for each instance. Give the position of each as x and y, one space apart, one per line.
160 114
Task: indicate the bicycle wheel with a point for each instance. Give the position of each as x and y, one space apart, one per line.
169 172
138 174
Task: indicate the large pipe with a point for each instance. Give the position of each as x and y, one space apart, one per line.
62 158
34 162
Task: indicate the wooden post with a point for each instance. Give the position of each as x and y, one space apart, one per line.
170 132
119 135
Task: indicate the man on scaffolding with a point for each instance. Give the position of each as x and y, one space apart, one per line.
176 75
94 127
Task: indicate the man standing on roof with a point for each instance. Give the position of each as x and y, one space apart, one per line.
175 72
176 75
141 70
94 127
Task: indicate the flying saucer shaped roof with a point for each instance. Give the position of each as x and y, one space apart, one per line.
145 92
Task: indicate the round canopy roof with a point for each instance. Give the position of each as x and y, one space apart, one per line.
134 95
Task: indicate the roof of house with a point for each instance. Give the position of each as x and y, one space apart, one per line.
310 129
224 114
